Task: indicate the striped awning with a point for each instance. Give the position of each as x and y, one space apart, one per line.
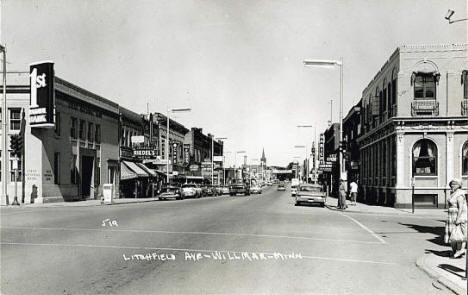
135 168
126 173
147 170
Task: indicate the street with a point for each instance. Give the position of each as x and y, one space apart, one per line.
259 244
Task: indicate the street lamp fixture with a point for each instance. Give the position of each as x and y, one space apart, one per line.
212 156
449 15
333 63
179 110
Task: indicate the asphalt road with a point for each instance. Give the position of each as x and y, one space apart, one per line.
260 244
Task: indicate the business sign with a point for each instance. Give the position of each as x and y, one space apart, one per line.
42 96
137 139
194 167
144 153
331 158
218 158
174 152
186 153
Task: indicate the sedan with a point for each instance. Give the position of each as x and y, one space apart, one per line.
310 194
170 192
255 189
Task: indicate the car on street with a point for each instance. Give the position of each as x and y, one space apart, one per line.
225 190
189 190
310 194
209 190
281 186
170 192
255 189
239 188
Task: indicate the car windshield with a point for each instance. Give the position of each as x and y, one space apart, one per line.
309 188
169 189
189 185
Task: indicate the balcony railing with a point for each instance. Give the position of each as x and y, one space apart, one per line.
425 108
464 107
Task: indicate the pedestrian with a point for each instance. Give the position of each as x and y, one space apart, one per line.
353 190
456 222
342 195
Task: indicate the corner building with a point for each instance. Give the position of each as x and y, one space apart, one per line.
414 118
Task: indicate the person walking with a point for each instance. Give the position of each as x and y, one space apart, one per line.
342 196
455 232
353 190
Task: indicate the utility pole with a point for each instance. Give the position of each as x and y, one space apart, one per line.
5 172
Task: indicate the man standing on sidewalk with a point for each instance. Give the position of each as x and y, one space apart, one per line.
342 196
353 191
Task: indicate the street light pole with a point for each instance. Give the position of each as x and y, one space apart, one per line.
5 173
339 63
212 156
167 138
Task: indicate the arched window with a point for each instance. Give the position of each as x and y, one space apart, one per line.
424 158
465 159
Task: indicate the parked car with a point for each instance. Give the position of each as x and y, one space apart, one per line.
281 186
170 192
239 188
255 189
209 190
225 190
310 194
189 190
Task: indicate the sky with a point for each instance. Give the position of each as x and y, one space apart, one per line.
237 64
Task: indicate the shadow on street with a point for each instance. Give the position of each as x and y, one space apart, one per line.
453 270
438 231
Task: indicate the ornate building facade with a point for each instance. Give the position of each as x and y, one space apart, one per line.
414 133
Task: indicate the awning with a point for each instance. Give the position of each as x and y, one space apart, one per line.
147 170
133 166
126 173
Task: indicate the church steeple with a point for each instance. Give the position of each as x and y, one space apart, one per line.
263 159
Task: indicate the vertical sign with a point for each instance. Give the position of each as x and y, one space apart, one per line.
186 153
174 152
42 99
321 147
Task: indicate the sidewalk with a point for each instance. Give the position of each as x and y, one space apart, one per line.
437 264
86 203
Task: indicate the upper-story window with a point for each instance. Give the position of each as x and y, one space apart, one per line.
73 123
57 123
90 131
465 159
15 119
465 83
97 137
424 158
82 130
424 85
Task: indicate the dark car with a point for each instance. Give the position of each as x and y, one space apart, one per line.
170 192
239 188
209 190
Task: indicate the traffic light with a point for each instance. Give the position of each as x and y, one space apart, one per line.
16 144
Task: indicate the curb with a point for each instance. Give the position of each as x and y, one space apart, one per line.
421 263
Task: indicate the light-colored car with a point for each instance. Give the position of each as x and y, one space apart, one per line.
310 194
225 190
170 192
190 191
281 186
255 189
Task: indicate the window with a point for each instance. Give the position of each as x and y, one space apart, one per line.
15 119
73 178
1 117
56 168
98 171
97 138
73 122
82 129
57 124
424 158
465 83
465 159
90 131
424 86
14 161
